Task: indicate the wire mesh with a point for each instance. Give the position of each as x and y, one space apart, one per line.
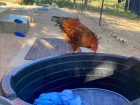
110 6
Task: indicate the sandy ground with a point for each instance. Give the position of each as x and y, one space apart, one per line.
42 26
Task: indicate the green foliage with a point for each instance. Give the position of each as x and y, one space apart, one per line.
22 3
68 4
4 0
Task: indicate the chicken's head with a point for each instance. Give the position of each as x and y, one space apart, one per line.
94 48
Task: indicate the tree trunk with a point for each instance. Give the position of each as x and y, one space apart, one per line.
86 1
74 4
82 7
115 5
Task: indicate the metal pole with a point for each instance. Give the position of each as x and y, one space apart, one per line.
101 12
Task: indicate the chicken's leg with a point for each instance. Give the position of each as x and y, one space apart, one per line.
75 51
74 46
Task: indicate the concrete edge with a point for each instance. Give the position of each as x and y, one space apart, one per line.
19 60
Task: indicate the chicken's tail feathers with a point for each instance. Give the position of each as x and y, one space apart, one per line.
97 35
77 19
98 40
57 18
54 18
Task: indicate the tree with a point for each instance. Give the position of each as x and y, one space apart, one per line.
82 7
74 4
86 2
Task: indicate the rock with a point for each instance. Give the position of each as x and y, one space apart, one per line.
121 39
54 5
118 37
34 4
131 47
29 3
40 4
46 5
110 34
125 41
114 35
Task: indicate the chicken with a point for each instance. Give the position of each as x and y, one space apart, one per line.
76 34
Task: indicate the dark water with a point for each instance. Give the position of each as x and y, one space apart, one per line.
95 96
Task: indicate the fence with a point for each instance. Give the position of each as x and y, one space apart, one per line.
94 5
110 6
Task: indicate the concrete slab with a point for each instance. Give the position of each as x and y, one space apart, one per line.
3 12
19 58
9 26
50 10
11 18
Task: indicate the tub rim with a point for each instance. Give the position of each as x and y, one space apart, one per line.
5 82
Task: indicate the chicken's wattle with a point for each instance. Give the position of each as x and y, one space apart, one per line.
94 48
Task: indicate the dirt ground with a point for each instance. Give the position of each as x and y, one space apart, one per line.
42 26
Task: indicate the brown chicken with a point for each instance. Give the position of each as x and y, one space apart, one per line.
76 34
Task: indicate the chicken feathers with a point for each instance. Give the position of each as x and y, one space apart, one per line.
76 34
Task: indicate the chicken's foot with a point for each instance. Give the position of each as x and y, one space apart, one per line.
75 51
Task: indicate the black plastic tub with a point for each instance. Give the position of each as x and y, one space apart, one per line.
84 70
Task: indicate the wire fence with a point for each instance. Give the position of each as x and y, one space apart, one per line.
110 6
92 4
95 5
